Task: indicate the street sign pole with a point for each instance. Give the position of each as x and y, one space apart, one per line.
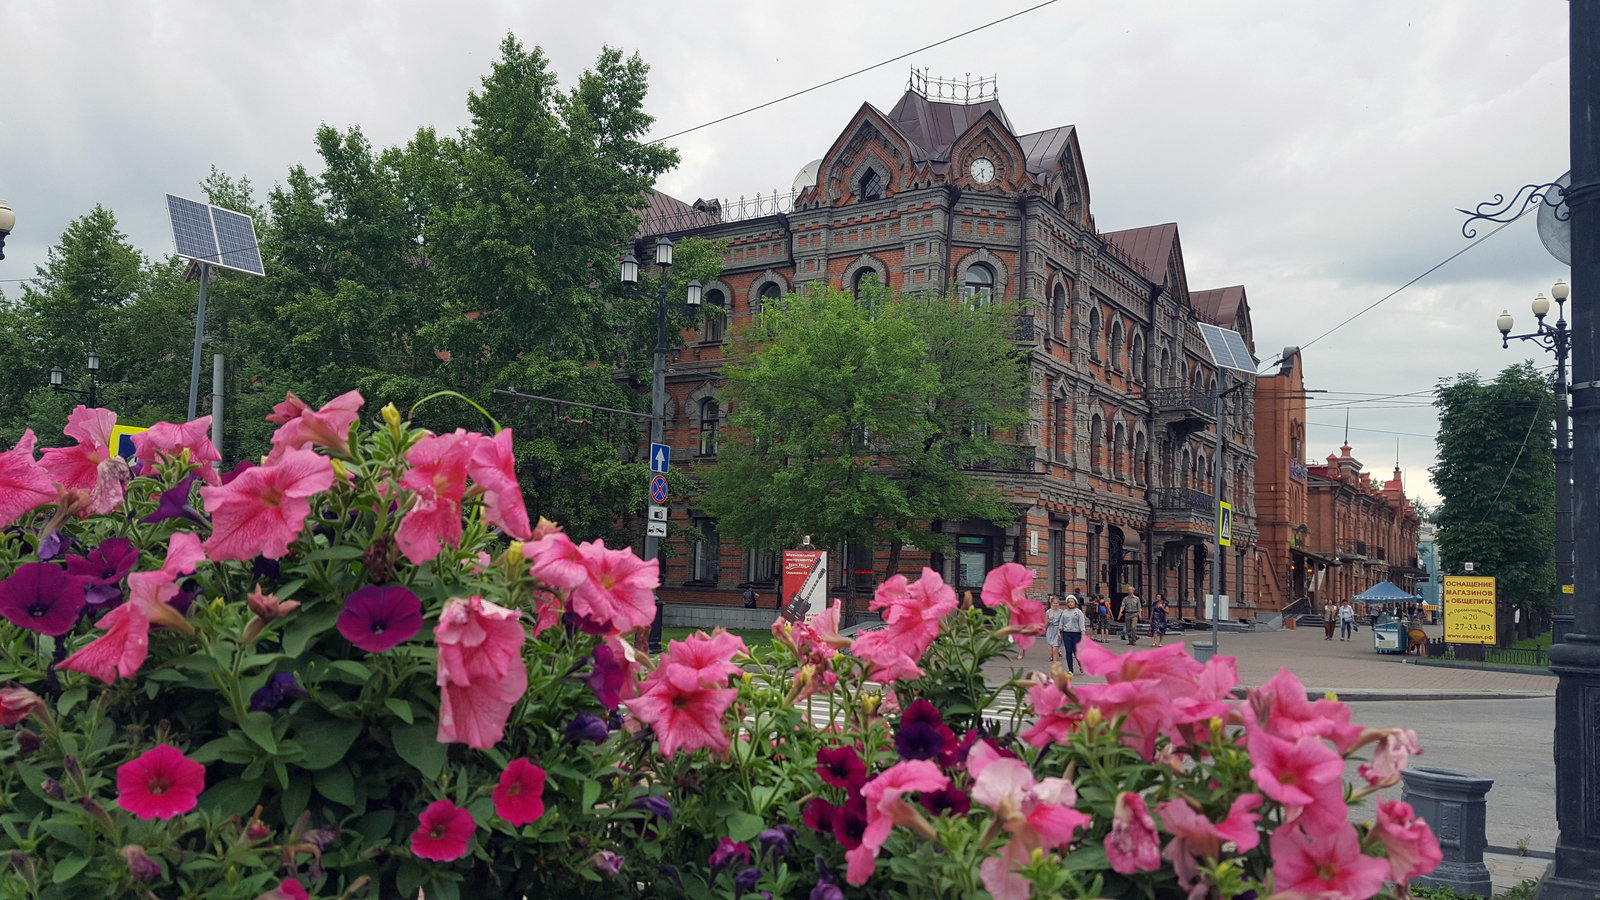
1216 488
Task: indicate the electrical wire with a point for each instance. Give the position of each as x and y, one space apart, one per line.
877 65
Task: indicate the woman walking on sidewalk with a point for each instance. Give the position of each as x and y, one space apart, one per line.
1330 619
1347 619
1052 628
1158 621
1073 624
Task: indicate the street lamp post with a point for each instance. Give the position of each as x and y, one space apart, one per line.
8 221
658 388
1557 339
57 377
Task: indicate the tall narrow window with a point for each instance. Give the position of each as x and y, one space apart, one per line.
1063 430
1140 458
1115 350
864 280
716 313
1094 333
761 565
979 285
1119 440
1136 365
1058 314
1097 441
710 413
707 554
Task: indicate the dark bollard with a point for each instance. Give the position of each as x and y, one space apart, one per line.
1455 806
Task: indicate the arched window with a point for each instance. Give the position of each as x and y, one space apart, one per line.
1058 314
1137 366
710 414
1166 367
979 286
716 313
1094 333
1140 458
1186 475
863 279
1119 440
769 292
1063 430
870 186
1183 373
1115 350
1097 443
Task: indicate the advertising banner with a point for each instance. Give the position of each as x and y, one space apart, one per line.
805 583
1469 609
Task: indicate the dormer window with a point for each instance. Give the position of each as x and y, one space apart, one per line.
871 186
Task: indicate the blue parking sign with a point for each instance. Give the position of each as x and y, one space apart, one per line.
660 458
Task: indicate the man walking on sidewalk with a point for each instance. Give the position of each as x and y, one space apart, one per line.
1330 620
1130 616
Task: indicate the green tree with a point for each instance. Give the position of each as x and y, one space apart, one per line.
860 422
1496 481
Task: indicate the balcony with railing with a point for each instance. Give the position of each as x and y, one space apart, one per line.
1184 409
1182 499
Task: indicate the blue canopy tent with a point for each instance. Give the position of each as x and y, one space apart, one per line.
1385 592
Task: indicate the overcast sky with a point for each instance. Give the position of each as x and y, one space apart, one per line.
1314 152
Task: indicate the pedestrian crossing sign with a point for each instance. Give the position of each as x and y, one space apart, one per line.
1225 525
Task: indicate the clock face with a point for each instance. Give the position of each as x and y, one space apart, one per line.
982 170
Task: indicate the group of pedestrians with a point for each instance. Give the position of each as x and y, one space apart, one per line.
1066 624
1342 617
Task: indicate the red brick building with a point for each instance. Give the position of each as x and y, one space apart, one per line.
1328 531
933 195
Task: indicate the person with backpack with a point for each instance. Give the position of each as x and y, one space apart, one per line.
1102 619
749 598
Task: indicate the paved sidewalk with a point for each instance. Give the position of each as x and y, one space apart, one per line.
1350 668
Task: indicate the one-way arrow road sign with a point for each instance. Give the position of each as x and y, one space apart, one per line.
660 458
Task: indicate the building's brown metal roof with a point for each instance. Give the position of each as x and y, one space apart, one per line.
1218 306
667 214
1042 148
931 127
1148 249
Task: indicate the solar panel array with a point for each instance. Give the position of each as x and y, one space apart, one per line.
211 234
1228 349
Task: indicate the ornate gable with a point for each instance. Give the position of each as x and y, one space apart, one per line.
869 147
989 140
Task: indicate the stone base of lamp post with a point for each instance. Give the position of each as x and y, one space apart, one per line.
1455 806
1575 875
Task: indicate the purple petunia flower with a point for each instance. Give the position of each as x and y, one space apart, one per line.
745 881
278 688
242 467
51 545
670 872
607 678
185 597
174 503
40 597
377 618
103 569
660 807
949 800
729 851
777 840
826 891
607 862
587 727
918 740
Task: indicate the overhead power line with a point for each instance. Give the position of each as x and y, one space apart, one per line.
877 65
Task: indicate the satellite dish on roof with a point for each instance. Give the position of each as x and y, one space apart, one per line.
807 176
1555 225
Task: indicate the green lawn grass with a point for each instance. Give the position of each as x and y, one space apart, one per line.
1537 642
752 638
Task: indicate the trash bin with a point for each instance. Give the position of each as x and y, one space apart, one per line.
1202 650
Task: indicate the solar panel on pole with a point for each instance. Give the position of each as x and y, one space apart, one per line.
1227 349
236 239
192 232
214 236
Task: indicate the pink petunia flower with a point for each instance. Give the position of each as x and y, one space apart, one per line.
1413 850
443 832
618 589
160 783
438 475
17 703
1297 774
301 425
1195 838
167 441
481 673
77 467
701 658
519 798
494 468
1038 814
685 714
886 807
1395 747
1289 715
1144 708
377 618
1330 863
287 889
1006 587
24 484
728 852
825 626
556 561
126 642
1170 670
1132 844
40 597
911 613
1053 726
261 512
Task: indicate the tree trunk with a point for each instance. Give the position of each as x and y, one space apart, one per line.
893 568
849 594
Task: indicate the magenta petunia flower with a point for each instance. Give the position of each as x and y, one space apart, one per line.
24 484
104 568
77 467
377 618
519 799
262 511
842 767
494 468
326 427
443 832
167 440
438 475
160 783
40 597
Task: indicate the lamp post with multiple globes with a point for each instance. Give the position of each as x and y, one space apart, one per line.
57 377
1557 339
658 388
